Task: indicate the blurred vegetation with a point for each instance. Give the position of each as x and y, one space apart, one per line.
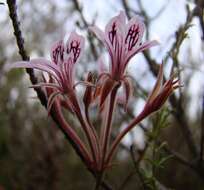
33 151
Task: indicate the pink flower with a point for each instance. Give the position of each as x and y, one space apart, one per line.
60 68
123 40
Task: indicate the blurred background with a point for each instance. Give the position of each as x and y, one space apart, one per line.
33 151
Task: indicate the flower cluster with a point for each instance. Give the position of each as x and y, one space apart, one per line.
123 40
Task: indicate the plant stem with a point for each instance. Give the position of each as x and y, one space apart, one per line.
202 134
98 156
107 129
120 136
72 134
88 132
99 178
90 137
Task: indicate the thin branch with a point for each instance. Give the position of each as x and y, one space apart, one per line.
198 11
160 11
126 7
202 133
127 179
136 162
178 157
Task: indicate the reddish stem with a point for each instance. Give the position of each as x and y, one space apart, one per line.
107 130
120 136
98 155
88 132
72 134
90 137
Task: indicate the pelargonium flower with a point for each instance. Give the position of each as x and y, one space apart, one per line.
123 40
60 68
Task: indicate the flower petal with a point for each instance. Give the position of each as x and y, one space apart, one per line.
114 38
75 46
142 47
134 33
115 26
147 45
57 52
44 64
40 64
114 32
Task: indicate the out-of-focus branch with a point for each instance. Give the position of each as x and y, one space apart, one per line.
177 102
202 133
136 162
198 11
160 11
180 36
126 7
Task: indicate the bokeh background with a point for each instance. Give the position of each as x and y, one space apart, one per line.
33 151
